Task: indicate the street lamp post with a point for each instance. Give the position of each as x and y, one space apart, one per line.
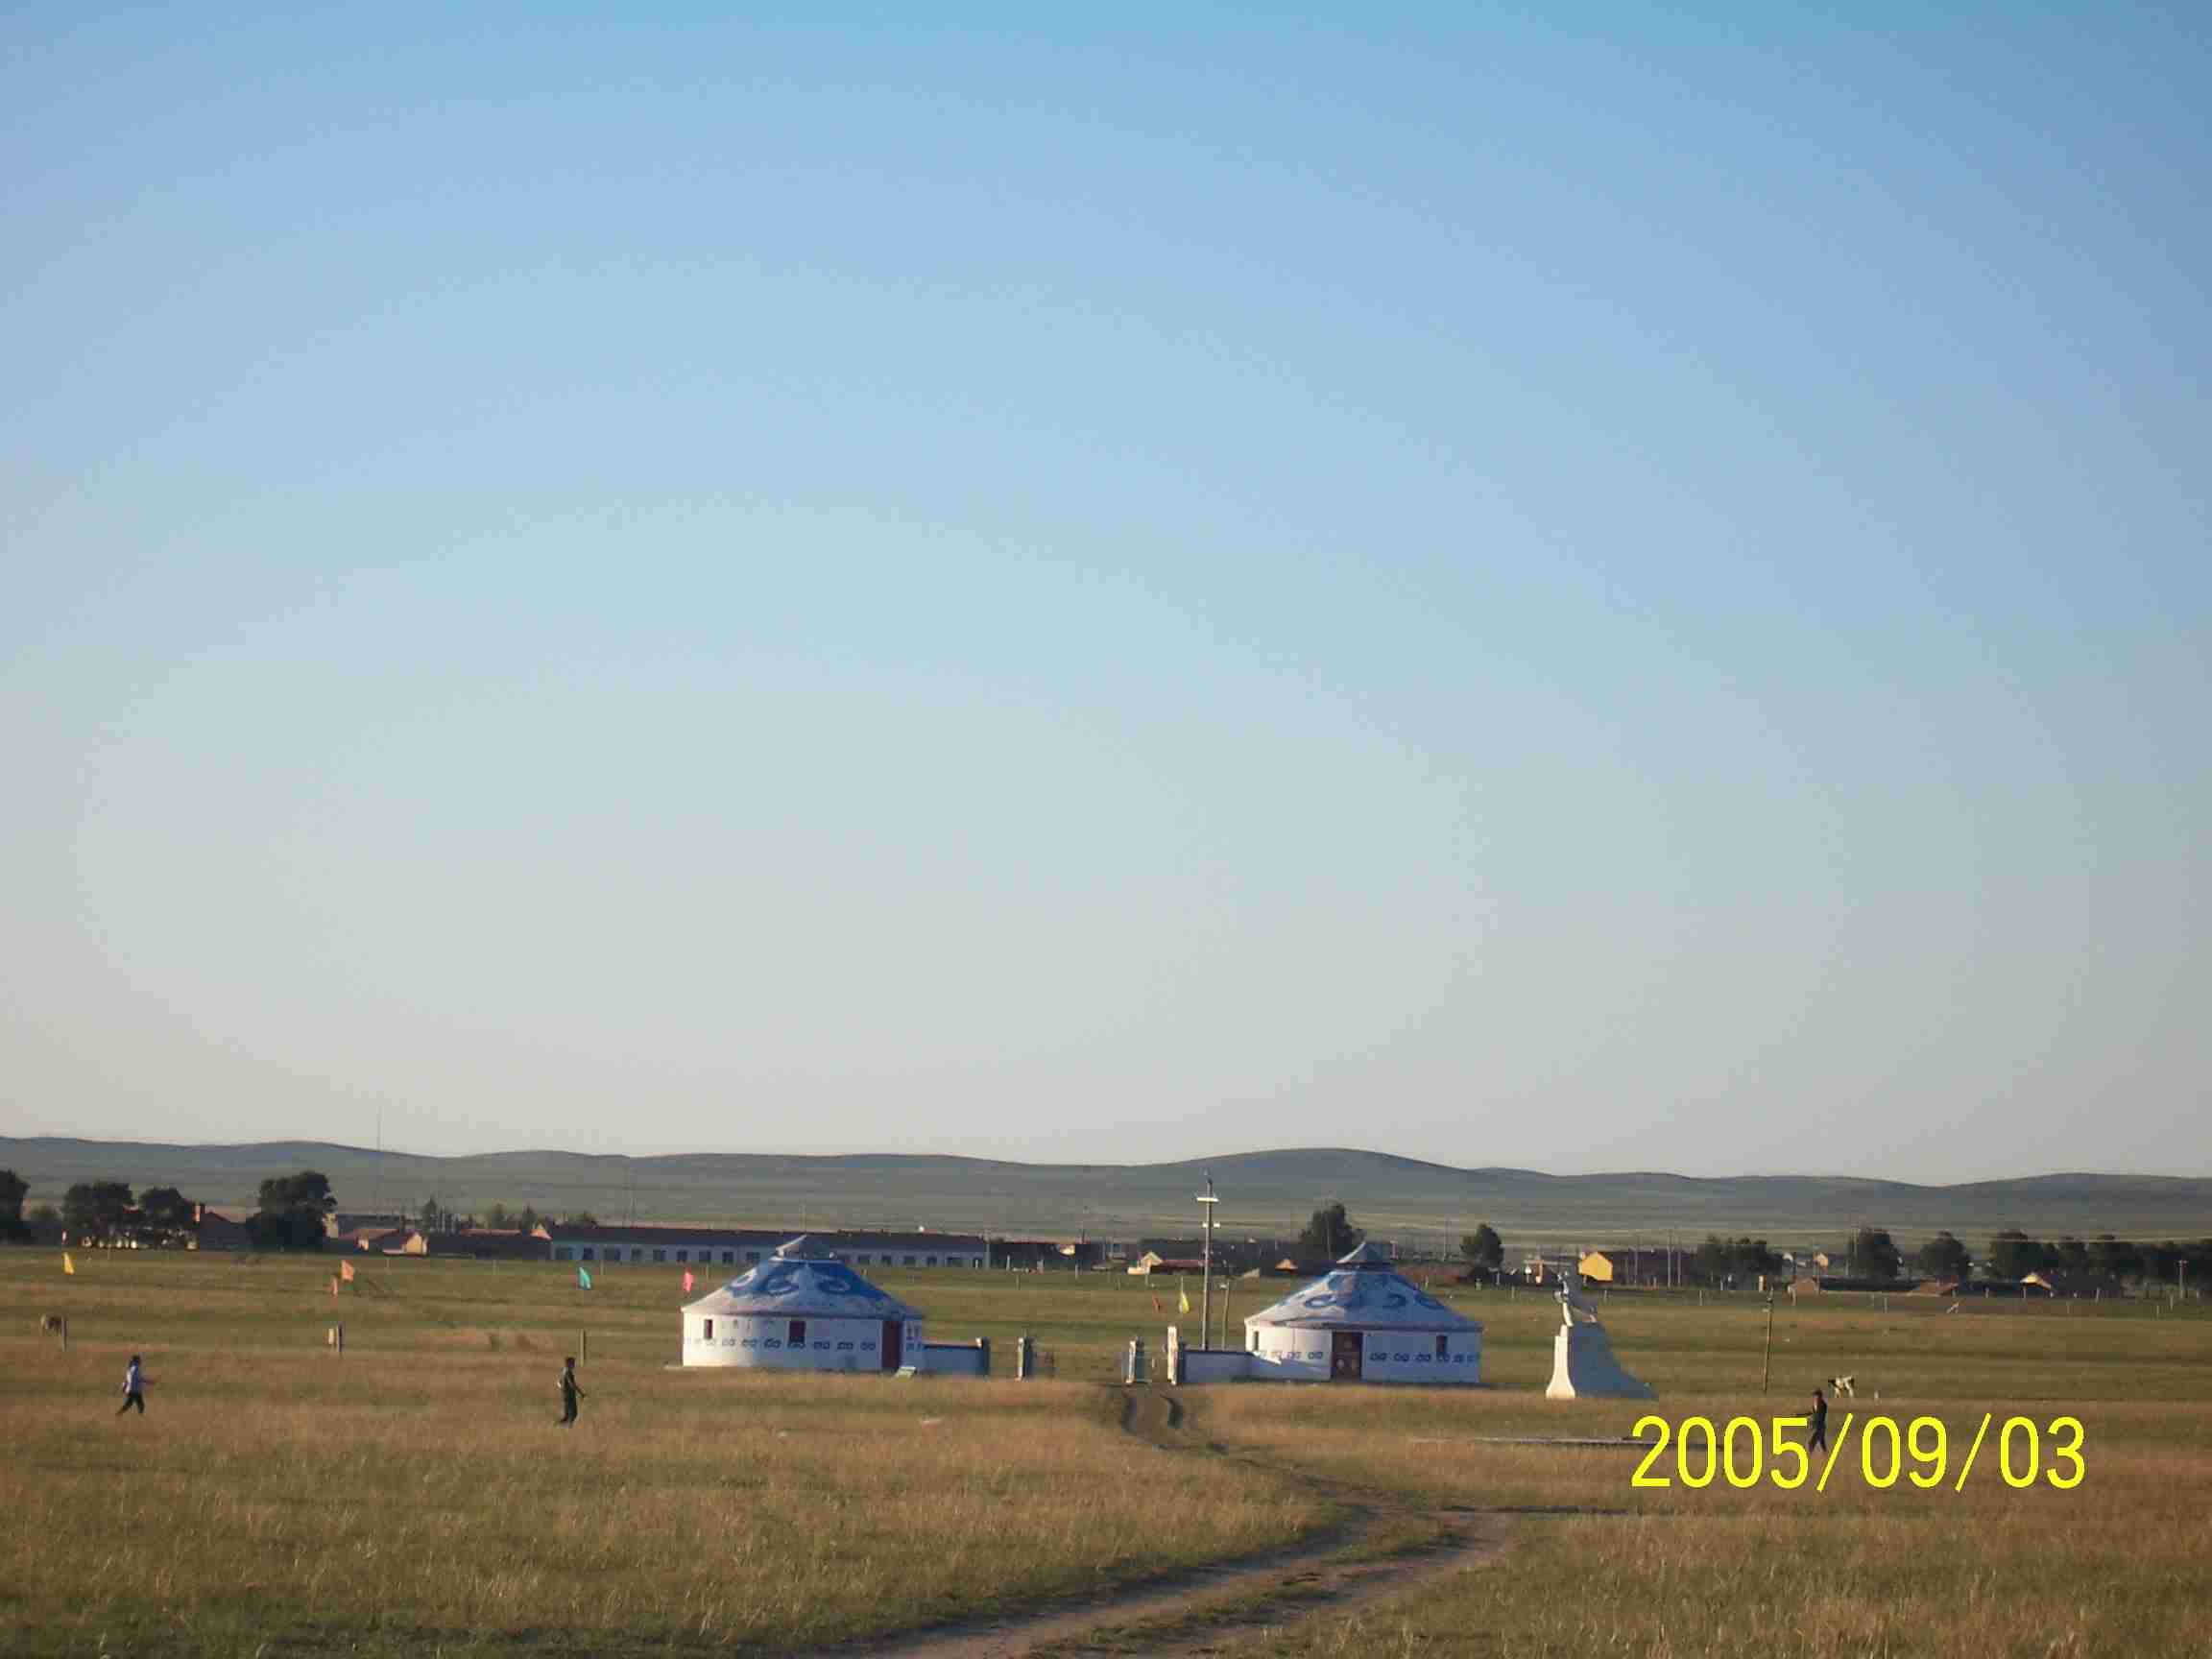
1206 1262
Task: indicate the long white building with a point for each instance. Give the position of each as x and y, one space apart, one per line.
749 1247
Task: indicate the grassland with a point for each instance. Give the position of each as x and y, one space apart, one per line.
414 1496
2117 1564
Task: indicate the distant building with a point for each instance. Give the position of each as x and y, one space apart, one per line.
212 1230
480 1243
1151 1262
1049 1255
1632 1267
356 1221
749 1246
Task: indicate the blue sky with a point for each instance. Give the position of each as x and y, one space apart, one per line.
1596 593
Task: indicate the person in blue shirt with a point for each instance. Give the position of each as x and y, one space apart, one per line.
133 1388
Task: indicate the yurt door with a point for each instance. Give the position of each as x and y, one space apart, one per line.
1344 1350
893 1353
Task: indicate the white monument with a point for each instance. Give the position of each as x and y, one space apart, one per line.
1582 1362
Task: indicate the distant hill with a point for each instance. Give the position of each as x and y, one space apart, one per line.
1262 1193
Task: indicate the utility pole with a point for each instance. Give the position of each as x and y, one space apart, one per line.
1766 1357
1206 1262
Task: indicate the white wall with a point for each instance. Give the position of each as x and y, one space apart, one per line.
1288 1354
954 1360
831 1344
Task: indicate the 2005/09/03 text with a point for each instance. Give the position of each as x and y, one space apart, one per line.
1747 1450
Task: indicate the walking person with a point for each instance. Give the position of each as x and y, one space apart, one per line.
1820 1437
569 1392
133 1388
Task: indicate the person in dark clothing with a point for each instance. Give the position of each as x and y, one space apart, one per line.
1820 1437
133 1388
569 1392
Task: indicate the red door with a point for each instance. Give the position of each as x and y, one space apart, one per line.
1344 1350
893 1352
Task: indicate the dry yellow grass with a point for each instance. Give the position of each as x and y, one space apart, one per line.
2115 1566
416 1493
417 1497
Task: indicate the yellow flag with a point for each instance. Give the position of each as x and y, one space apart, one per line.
68 1263
1181 1298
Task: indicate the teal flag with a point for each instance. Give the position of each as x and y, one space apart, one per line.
584 1277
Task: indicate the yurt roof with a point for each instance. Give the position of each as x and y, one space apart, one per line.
1363 1291
802 1281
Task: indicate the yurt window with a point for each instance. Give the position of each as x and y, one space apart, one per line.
797 1333
706 1329
660 1255
1255 1341
682 1255
909 1260
752 1255
932 1261
1440 1342
729 1257
584 1253
561 1254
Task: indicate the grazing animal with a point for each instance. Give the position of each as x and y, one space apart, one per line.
1842 1385
49 1323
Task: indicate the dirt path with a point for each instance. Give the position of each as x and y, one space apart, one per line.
1381 1546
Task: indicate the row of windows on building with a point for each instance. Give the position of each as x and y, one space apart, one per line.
705 1258
1443 1351
797 1337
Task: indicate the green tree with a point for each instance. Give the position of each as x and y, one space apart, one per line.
1943 1257
2073 1256
527 1221
1484 1250
2014 1256
496 1216
583 1219
164 1211
292 1210
14 1190
1718 1258
44 1215
2116 1257
1329 1234
1874 1255
96 1209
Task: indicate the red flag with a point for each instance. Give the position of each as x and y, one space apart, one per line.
687 1280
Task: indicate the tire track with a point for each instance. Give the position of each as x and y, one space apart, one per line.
1353 1560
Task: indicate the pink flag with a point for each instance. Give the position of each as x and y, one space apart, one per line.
687 1280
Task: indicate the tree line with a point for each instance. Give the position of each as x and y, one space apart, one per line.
293 1214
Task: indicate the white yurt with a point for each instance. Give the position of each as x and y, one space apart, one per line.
1363 1321
802 1309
